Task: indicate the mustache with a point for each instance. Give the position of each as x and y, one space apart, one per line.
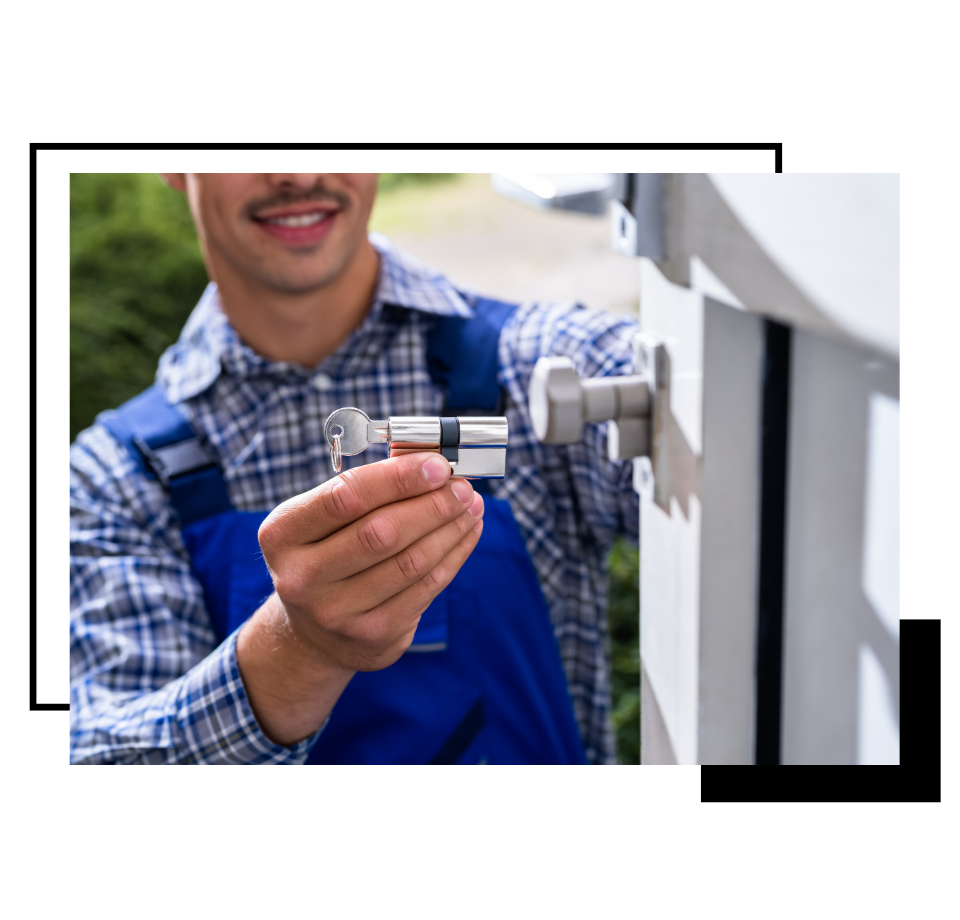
317 195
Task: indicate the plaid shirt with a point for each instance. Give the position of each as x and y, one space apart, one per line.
149 682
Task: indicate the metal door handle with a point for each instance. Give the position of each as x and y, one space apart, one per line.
636 408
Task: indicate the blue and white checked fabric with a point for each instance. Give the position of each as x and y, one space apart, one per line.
149 683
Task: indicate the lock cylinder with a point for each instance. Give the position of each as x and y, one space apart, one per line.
413 432
475 446
481 448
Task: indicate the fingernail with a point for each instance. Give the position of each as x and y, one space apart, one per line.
476 509
478 526
462 489
436 469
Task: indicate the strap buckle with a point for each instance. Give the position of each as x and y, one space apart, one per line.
177 459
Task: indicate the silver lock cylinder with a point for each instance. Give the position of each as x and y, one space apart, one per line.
475 446
483 431
413 431
482 447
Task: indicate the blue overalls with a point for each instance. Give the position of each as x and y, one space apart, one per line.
482 681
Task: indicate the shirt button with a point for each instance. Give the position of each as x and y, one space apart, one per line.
322 382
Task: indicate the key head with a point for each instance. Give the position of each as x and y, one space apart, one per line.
351 426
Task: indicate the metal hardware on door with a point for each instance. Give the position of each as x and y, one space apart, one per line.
635 407
476 446
636 215
587 193
636 203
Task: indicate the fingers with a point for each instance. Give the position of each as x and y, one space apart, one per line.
393 623
348 497
420 595
382 581
357 560
384 533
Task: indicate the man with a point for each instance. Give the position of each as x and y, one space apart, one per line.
346 646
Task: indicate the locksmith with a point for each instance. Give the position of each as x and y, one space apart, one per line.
233 601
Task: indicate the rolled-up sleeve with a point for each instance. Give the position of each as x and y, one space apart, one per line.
149 682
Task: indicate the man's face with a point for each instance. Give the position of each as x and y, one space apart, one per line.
292 232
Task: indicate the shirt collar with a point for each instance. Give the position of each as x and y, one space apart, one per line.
405 282
208 343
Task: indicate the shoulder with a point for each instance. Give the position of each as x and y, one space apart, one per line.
108 489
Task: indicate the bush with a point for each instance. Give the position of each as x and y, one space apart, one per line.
624 619
135 275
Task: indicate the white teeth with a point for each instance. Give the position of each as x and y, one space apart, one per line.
298 220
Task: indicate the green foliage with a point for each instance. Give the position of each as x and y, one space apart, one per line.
135 275
624 619
390 182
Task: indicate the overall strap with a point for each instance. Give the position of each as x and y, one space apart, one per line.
164 446
462 359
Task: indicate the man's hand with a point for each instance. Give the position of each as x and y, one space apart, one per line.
355 562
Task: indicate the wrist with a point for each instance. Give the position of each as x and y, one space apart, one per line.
291 684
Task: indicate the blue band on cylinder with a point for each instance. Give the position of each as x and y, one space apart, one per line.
450 438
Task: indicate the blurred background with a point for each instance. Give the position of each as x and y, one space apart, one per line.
136 274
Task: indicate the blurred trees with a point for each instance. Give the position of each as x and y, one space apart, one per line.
135 275
623 615
390 182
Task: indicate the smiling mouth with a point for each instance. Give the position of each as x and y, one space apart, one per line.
296 220
298 228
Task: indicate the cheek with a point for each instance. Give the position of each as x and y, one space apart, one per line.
223 197
364 186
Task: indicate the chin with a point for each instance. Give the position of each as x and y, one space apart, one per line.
299 282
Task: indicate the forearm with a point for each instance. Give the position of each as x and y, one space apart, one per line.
291 686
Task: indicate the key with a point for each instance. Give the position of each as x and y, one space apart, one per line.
475 446
349 431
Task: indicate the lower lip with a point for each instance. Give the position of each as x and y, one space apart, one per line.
298 236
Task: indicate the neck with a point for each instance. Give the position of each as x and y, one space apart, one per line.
303 328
